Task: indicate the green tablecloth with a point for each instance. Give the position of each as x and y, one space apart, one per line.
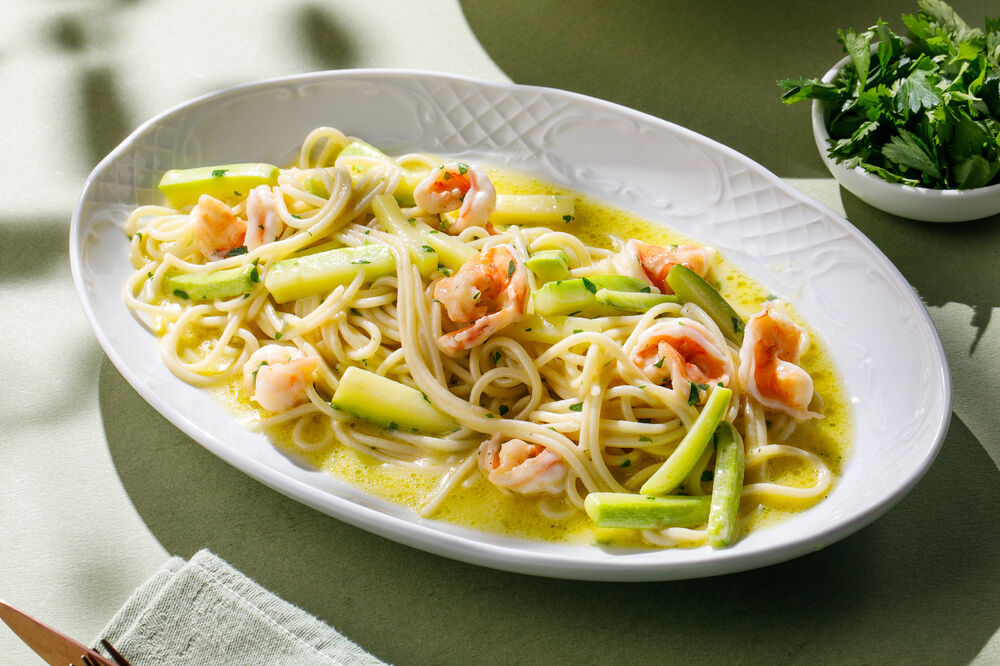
97 490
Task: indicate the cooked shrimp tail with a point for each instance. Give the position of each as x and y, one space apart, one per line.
523 468
264 224
458 186
657 260
682 350
488 293
217 229
769 363
276 376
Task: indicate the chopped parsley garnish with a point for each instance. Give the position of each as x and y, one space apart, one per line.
511 268
476 295
393 425
577 407
180 293
426 248
496 357
645 290
236 251
219 173
567 218
503 409
577 330
445 271
737 324
707 475
591 287
643 438
463 168
658 364
694 397
626 462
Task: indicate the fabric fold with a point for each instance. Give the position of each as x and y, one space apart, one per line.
204 611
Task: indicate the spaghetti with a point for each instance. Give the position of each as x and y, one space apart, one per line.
434 296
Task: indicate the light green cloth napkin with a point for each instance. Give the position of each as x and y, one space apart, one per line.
205 612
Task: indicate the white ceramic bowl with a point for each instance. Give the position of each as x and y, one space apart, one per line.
918 203
884 342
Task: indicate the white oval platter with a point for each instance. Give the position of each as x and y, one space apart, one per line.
882 339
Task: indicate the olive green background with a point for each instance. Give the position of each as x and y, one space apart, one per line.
96 489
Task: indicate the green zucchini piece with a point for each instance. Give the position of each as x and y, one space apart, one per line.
322 272
646 513
451 252
315 184
388 403
404 191
549 265
360 148
541 209
392 220
632 301
550 329
727 486
675 469
227 182
210 285
692 288
578 295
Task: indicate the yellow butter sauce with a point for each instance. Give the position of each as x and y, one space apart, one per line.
480 505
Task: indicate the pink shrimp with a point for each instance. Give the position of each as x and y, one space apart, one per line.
657 260
769 370
216 228
458 186
681 350
264 224
276 376
524 468
489 292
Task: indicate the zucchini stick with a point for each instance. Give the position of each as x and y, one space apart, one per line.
227 182
632 301
690 287
392 220
227 283
298 277
543 209
727 486
644 512
675 468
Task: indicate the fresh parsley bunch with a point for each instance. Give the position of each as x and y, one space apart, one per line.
924 111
